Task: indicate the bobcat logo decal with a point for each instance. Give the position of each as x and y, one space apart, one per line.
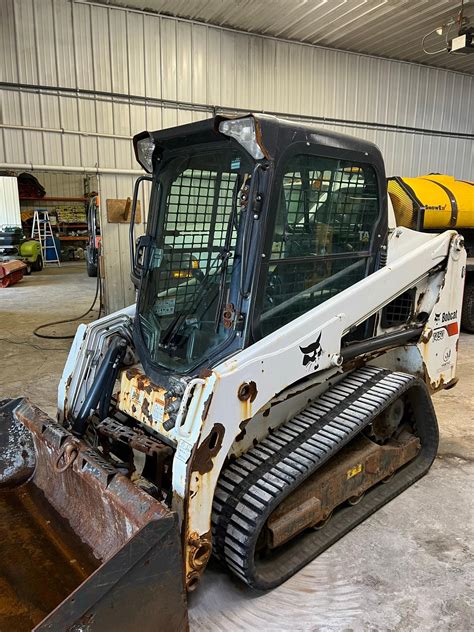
312 353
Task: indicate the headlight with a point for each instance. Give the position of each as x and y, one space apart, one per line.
144 148
243 130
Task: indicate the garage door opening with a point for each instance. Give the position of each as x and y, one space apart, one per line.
65 200
50 238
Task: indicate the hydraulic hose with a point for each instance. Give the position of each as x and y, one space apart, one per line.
98 294
101 389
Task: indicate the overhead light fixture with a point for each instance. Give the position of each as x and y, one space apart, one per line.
455 41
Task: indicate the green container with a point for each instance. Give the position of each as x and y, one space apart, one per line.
30 249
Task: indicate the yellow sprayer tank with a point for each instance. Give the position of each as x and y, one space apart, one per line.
433 201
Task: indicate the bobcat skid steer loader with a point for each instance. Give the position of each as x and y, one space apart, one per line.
270 389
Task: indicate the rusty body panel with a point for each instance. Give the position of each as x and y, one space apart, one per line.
76 535
90 486
202 460
350 473
143 400
137 440
43 560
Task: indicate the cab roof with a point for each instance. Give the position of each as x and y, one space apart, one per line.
274 135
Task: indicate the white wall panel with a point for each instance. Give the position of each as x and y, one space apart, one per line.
64 35
9 65
136 53
199 58
46 57
97 75
81 17
25 44
169 59
152 62
9 202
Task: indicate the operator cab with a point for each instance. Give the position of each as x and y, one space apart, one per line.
253 221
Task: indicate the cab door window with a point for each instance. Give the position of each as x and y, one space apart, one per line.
326 215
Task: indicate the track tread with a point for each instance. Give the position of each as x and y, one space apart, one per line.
255 483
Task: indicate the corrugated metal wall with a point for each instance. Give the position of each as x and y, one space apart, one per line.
92 76
9 202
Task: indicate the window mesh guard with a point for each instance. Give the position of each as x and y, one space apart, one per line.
325 221
400 310
196 224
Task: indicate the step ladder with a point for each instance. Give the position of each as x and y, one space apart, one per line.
43 232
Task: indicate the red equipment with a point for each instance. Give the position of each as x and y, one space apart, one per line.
11 272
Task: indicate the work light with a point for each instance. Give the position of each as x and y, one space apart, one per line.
144 148
243 130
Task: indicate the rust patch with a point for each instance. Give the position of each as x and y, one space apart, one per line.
346 477
206 406
50 546
141 382
259 137
143 400
242 427
43 560
131 373
202 461
204 373
199 550
247 391
228 315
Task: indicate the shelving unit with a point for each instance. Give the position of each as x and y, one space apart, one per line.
54 199
63 228
67 206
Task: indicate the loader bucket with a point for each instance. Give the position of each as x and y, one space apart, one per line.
82 548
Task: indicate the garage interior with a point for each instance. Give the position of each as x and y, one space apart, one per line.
80 79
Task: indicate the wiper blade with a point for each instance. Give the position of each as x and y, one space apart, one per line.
176 323
223 263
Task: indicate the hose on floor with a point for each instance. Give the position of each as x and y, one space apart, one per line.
98 294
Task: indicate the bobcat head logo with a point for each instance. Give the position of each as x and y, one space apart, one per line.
437 318
312 353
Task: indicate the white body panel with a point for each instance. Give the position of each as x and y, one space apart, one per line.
87 350
211 412
275 362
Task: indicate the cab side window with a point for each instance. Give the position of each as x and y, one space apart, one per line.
326 215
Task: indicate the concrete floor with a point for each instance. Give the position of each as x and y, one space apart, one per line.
408 567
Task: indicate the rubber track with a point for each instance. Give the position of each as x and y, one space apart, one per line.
253 485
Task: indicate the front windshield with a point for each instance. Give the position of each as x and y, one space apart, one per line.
189 267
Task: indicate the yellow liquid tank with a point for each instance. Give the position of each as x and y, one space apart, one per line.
441 201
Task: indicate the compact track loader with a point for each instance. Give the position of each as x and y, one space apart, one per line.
270 389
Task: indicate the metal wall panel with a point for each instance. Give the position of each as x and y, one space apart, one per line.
9 65
92 76
9 202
